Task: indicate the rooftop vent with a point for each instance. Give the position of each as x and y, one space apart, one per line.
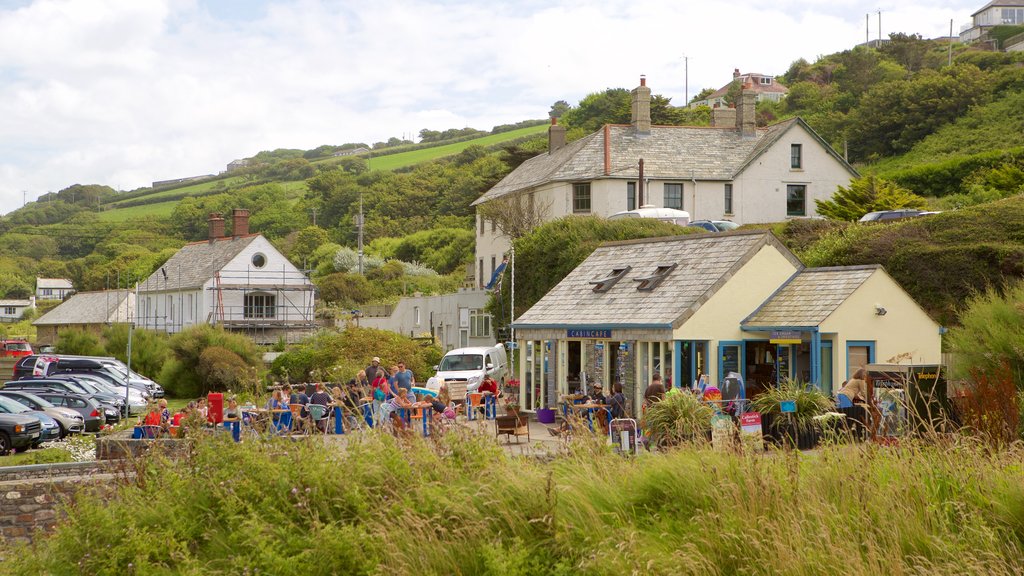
605 284
651 282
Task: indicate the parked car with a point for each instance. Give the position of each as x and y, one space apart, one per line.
714 225
678 217
111 369
894 215
49 430
98 393
70 422
14 348
89 409
110 413
469 365
137 400
18 432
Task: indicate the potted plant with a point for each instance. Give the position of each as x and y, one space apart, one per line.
546 415
798 428
679 417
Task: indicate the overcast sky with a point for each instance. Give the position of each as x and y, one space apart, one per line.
125 92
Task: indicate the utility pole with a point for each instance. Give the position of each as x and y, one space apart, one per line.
867 29
879 27
686 80
950 63
359 224
314 216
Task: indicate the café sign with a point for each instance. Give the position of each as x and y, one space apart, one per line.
785 337
589 334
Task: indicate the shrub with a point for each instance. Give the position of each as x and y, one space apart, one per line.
990 338
344 289
679 417
867 194
150 350
222 369
79 342
180 375
810 402
347 260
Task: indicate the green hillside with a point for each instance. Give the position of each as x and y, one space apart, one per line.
406 159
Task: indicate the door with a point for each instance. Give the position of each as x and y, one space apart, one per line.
858 355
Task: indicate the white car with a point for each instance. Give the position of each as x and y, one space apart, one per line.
469 365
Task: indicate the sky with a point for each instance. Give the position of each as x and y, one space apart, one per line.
127 92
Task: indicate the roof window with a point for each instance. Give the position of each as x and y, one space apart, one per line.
605 284
651 282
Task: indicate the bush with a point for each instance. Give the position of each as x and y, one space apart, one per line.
181 376
345 289
79 342
990 338
150 350
222 369
810 402
347 260
947 177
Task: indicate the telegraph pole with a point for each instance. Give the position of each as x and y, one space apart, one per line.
359 224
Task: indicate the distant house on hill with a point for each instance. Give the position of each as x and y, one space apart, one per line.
237 164
995 13
13 310
730 170
765 87
53 288
87 311
351 152
240 282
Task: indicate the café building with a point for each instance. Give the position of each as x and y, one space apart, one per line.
703 305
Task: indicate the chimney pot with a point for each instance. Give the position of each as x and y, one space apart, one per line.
216 221
643 80
556 135
240 222
554 121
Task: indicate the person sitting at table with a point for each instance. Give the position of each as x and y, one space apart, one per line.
597 394
232 412
381 390
165 413
392 409
202 408
277 402
488 385
152 420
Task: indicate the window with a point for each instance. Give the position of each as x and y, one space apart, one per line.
494 265
651 282
796 156
47 292
494 226
605 284
581 198
259 305
479 324
674 196
728 198
765 80
481 225
1013 16
416 315
630 195
480 280
191 306
259 260
796 200
10 310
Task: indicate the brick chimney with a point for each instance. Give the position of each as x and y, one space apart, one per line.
216 226
239 222
556 136
641 117
735 73
745 121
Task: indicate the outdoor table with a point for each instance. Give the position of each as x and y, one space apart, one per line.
235 426
425 409
590 407
339 422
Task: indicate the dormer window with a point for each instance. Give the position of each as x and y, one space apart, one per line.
605 284
651 282
766 80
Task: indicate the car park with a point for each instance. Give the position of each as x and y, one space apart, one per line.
69 384
110 369
714 225
90 410
49 429
18 432
137 400
70 422
98 393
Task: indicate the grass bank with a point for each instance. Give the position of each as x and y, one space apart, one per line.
464 507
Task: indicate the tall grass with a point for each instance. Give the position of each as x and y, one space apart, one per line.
461 506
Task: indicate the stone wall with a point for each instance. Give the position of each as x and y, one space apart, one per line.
31 496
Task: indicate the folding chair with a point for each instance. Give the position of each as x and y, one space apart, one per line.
297 423
317 414
475 401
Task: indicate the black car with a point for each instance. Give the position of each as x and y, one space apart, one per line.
90 410
893 215
18 432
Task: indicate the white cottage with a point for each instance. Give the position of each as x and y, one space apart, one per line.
240 282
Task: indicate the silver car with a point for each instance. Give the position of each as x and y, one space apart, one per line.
70 421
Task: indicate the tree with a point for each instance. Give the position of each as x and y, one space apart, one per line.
702 95
867 194
559 108
513 215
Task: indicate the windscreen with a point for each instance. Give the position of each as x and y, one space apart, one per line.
12 406
456 362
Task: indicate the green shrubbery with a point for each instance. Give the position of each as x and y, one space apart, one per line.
79 342
191 372
338 356
464 507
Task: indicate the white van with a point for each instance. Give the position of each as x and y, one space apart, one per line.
678 217
469 365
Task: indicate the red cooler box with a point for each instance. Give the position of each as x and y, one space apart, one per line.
215 413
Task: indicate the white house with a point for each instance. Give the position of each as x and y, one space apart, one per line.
239 281
13 310
455 320
731 170
765 87
995 13
53 288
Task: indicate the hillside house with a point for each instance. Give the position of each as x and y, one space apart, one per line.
710 304
87 311
240 282
731 170
455 320
12 310
765 87
995 13
53 288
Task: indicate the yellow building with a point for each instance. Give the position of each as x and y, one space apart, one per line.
710 304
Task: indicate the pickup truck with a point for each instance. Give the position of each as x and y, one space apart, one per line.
18 432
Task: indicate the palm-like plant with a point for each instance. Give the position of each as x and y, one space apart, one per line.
810 402
679 417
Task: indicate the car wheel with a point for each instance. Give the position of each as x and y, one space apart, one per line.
63 430
5 443
22 449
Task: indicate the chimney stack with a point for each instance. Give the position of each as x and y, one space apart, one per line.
723 117
240 222
216 226
745 121
735 73
641 117
556 136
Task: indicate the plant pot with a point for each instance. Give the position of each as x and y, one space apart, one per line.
546 415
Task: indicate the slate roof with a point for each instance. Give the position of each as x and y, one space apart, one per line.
196 263
704 263
810 296
100 307
59 283
1000 3
15 303
669 152
756 86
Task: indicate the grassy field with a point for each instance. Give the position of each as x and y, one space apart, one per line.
461 505
158 210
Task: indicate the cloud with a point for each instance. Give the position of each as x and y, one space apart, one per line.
122 92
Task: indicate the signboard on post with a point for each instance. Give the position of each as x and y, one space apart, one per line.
787 406
722 432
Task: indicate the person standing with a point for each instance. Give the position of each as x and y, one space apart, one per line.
404 378
655 392
617 402
381 389
373 368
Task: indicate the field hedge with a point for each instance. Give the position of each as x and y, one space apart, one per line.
946 177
